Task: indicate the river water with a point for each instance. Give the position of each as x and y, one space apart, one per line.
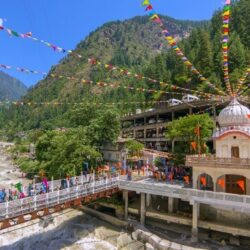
71 229
75 230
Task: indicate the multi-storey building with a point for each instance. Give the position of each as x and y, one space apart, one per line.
150 127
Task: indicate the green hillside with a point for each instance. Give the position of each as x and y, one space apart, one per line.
136 44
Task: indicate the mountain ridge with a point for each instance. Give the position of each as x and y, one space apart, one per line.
11 88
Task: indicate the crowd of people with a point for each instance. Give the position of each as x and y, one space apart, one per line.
170 174
17 191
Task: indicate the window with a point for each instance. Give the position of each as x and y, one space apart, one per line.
235 152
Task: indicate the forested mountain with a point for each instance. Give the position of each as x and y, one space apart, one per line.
136 44
11 88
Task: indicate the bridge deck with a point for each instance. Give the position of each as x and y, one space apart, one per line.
101 188
151 186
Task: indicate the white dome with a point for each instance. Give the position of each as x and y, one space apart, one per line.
234 114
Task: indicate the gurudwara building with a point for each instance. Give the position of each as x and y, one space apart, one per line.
229 169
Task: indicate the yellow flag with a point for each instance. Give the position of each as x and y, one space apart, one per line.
145 2
154 16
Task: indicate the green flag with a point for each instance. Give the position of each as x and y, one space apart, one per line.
18 186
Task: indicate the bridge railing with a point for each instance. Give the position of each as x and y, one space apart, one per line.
26 205
209 197
56 184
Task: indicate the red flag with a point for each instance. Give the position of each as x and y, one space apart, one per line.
194 145
149 7
241 184
197 130
221 182
203 180
186 179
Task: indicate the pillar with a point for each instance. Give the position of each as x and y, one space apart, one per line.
157 132
173 144
190 110
148 200
125 197
170 204
195 222
173 116
215 185
143 209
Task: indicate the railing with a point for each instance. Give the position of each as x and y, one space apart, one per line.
11 209
240 202
213 161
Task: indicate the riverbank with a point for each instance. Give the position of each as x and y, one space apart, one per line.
69 230
10 174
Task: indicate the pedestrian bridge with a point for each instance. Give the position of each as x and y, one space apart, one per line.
32 207
89 189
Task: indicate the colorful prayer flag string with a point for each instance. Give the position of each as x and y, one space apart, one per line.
171 41
23 70
174 88
225 39
126 72
241 81
29 35
58 103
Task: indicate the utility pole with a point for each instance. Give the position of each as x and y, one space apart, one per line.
198 137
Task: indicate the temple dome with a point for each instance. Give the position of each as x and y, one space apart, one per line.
235 114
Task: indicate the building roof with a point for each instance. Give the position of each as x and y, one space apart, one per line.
235 114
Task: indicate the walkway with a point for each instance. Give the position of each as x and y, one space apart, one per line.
18 211
239 203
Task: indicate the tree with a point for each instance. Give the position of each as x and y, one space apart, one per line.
134 147
62 153
105 127
195 129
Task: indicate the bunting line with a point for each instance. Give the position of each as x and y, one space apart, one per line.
124 72
30 36
242 81
22 70
153 16
128 73
58 103
225 38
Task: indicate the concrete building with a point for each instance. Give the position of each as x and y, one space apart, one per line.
149 127
220 197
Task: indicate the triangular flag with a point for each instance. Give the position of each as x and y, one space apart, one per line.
241 184
145 2
203 180
221 182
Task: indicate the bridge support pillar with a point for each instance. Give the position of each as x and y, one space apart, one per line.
143 209
195 222
125 197
148 200
170 205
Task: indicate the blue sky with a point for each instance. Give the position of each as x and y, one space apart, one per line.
66 22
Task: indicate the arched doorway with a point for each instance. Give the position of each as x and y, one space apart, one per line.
205 182
235 152
235 184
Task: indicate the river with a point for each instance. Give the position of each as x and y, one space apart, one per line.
69 230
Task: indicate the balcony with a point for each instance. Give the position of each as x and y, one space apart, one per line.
204 161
